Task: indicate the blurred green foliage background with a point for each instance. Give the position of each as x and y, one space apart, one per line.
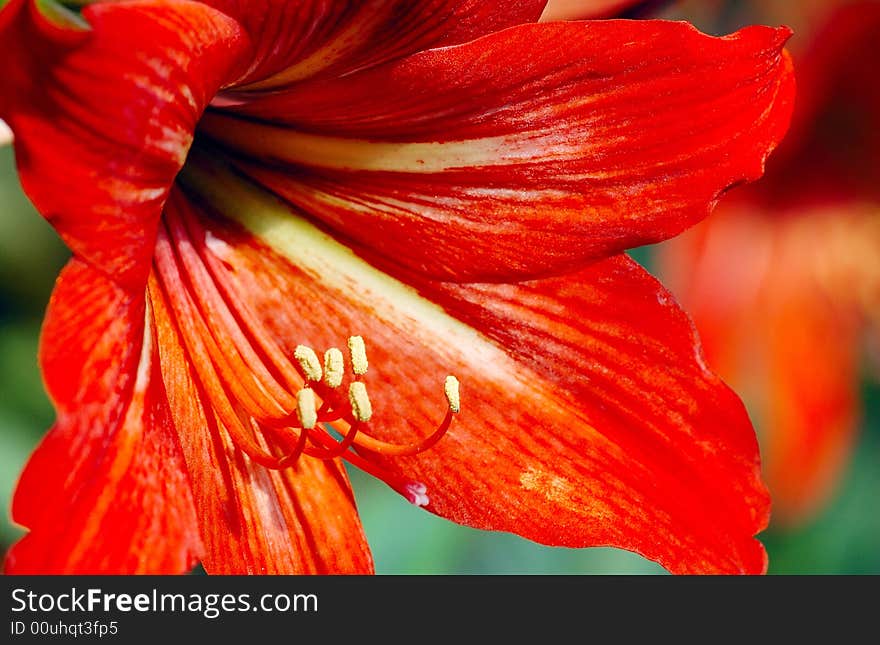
845 538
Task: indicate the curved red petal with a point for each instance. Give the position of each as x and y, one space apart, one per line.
299 40
576 139
587 414
298 520
102 124
106 491
625 365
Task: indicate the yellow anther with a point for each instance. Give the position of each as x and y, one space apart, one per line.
334 367
306 409
309 362
361 407
358 352
450 389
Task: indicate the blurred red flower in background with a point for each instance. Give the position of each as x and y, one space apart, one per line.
586 9
448 180
783 280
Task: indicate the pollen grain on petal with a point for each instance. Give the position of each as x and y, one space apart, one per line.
361 407
306 409
309 362
358 353
334 367
555 489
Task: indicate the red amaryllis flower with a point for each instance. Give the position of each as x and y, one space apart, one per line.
785 278
447 181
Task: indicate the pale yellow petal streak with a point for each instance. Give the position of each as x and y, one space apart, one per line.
285 144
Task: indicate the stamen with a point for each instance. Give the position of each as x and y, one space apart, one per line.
402 450
266 403
415 492
361 407
289 458
450 389
215 300
175 295
332 450
292 457
306 409
309 362
334 368
372 444
208 312
358 352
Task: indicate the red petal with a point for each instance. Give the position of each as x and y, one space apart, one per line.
103 124
255 520
106 491
298 40
587 415
576 139
781 323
